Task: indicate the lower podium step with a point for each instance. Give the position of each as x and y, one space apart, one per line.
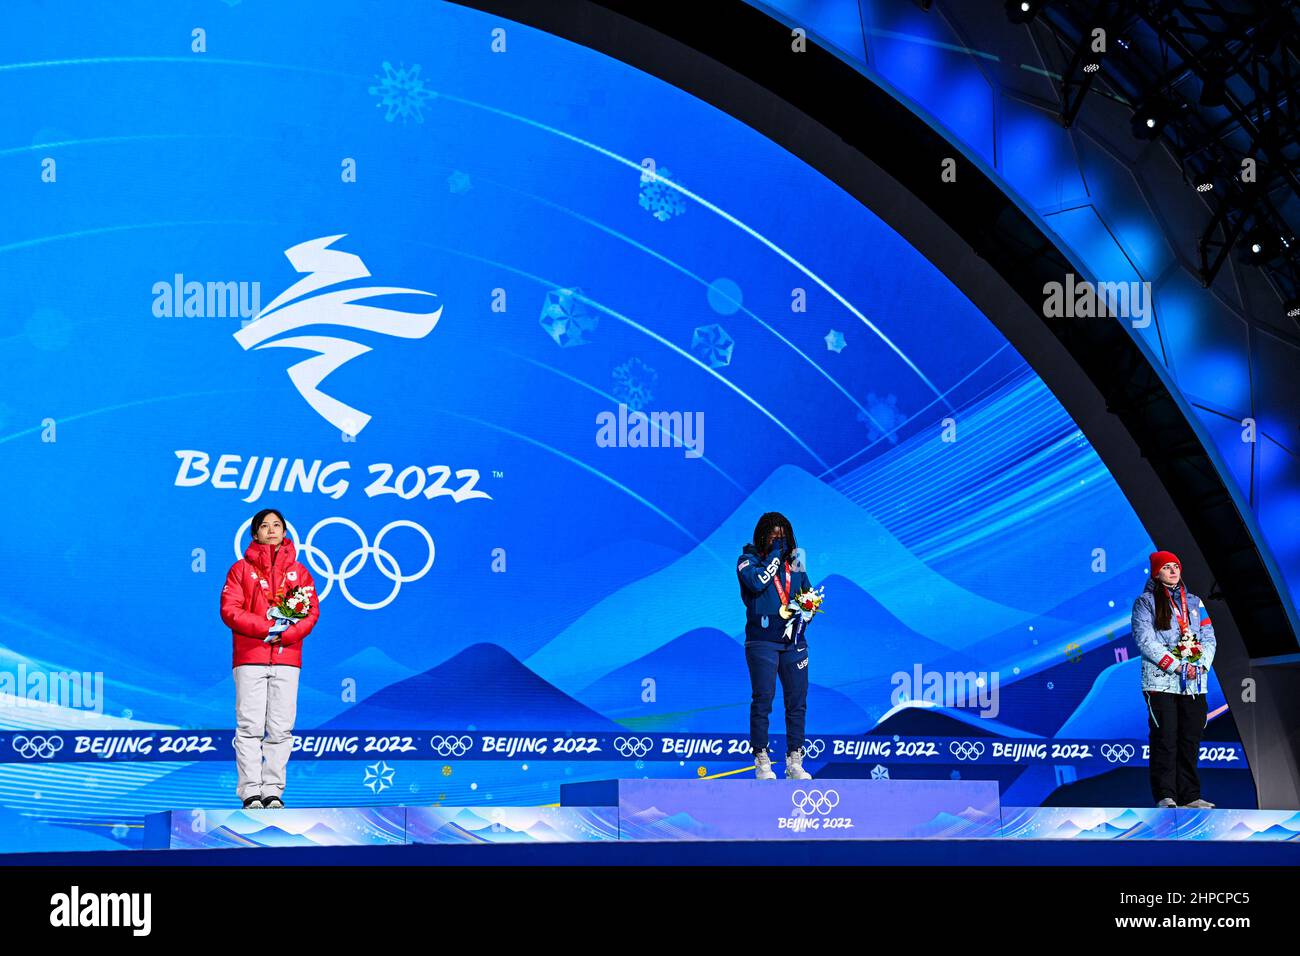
795 810
225 828
694 810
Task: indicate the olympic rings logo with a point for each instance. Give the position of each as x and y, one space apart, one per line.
637 747
43 747
450 746
1118 753
352 564
815 801
966 749
812 749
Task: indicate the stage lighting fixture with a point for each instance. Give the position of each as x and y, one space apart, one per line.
1292 308
1022 11
1258 245
1213 171
1150 117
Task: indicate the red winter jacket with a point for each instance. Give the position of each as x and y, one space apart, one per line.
246 601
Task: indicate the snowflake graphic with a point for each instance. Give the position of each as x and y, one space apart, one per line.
879 773
661 201
634 383
713 345
883 417
379 777
566 318
458 182
835 341
402 93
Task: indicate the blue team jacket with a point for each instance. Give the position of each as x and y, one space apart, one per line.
1157 646
758 590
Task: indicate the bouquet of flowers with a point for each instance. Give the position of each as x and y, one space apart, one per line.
802 607
808 603
287 608
1189 648
295 604
1188 651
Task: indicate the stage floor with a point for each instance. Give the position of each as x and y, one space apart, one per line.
892 853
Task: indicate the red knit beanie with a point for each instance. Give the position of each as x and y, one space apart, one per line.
1160 559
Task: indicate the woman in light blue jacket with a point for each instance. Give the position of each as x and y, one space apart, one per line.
1169 624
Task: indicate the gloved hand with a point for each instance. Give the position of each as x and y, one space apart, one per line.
777 546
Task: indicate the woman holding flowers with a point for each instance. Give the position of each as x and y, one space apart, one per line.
779 603
1173 632
269 604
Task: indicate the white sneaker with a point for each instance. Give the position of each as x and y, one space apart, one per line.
794 766
1167 802
1199 804
763 766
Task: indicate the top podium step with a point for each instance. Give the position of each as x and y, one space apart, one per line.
794 809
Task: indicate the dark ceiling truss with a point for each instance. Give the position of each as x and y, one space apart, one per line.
1220 82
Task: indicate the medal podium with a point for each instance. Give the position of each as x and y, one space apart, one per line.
658 811
794 809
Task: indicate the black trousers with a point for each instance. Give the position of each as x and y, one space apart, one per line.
1176 722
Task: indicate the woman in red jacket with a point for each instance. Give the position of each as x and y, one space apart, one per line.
267 656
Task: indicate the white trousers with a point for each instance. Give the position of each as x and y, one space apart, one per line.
266 702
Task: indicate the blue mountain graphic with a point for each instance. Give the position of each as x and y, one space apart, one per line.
483 686
944 722
841 538
857 640
1274 833
525 608
369 666
1115 709
702 685
266 836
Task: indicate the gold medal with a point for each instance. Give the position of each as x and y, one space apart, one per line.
783 593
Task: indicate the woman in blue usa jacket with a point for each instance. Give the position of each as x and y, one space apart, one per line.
771 573
1175 690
